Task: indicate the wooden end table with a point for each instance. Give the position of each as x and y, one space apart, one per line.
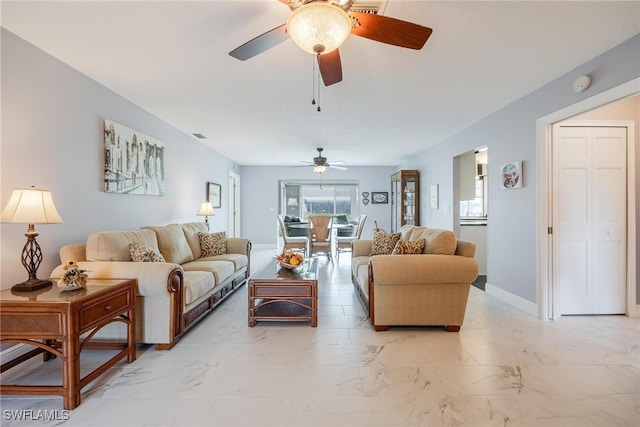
279 294
53 321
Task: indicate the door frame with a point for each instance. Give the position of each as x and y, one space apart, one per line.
234 205
546 301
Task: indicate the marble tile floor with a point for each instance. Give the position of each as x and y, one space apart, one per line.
504 368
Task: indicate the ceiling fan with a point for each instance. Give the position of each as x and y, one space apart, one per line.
320 163
321 26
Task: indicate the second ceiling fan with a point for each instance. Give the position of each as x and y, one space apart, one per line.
321 26
321 164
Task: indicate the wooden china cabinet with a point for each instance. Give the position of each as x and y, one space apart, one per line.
405 199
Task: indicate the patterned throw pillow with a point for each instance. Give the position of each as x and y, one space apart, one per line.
213 244
383 243
405 247
144 253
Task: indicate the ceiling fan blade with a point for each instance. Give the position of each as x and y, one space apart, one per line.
390 30
330 67
341 168
261 43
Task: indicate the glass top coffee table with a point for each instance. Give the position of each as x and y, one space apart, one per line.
279 294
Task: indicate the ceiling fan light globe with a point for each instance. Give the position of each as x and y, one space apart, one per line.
315 26
319 168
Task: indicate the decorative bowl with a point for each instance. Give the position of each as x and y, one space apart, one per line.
289 266
73 286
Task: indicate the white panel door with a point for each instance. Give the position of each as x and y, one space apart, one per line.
589 219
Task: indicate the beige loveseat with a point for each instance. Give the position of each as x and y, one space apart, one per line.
430 288
173 295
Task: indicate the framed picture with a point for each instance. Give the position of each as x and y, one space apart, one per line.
511 175
133 161
379 197
214 192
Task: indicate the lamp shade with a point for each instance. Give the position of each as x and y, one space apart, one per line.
206 209
30 206
292 201
319 27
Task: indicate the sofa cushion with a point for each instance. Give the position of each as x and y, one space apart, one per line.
172 243
362 275
405 247
405 231
212 244
357 262
143 253
221 270
441 242
191 230
239 261
196 285
115 245
383 243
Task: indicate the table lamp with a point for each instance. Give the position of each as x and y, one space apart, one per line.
293 202
206 210
31 206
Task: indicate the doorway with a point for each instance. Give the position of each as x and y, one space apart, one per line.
546 291
471 215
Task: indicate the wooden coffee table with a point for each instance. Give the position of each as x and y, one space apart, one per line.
280 294
54 322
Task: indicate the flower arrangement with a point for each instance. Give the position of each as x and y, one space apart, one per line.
291 258
74 276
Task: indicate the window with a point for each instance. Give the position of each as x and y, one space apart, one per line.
476 207
314 197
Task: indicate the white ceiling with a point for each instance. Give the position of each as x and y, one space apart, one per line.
171 58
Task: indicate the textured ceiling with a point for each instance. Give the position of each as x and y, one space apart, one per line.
171 58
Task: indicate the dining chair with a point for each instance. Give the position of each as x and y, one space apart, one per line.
343 243
294 243
320 235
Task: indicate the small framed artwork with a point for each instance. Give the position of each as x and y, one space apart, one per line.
379 197
434 196
511 175
214 192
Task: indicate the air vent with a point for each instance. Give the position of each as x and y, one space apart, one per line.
372 7
199 136
373 10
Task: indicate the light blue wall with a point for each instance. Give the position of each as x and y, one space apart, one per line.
52 118
510 135
260 190
51 137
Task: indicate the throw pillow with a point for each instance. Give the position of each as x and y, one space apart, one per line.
213 244
405 247
143 253
383 243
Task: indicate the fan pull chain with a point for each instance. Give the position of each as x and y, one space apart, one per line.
313 80
318 93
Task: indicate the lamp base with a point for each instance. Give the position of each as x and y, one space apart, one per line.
31 285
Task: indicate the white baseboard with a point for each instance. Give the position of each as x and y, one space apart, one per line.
512 299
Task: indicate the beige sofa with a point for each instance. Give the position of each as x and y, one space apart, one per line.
430 288
173 295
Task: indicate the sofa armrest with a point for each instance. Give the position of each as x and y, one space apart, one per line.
422 269
154 278
361 247
74 251
238 245
466 248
